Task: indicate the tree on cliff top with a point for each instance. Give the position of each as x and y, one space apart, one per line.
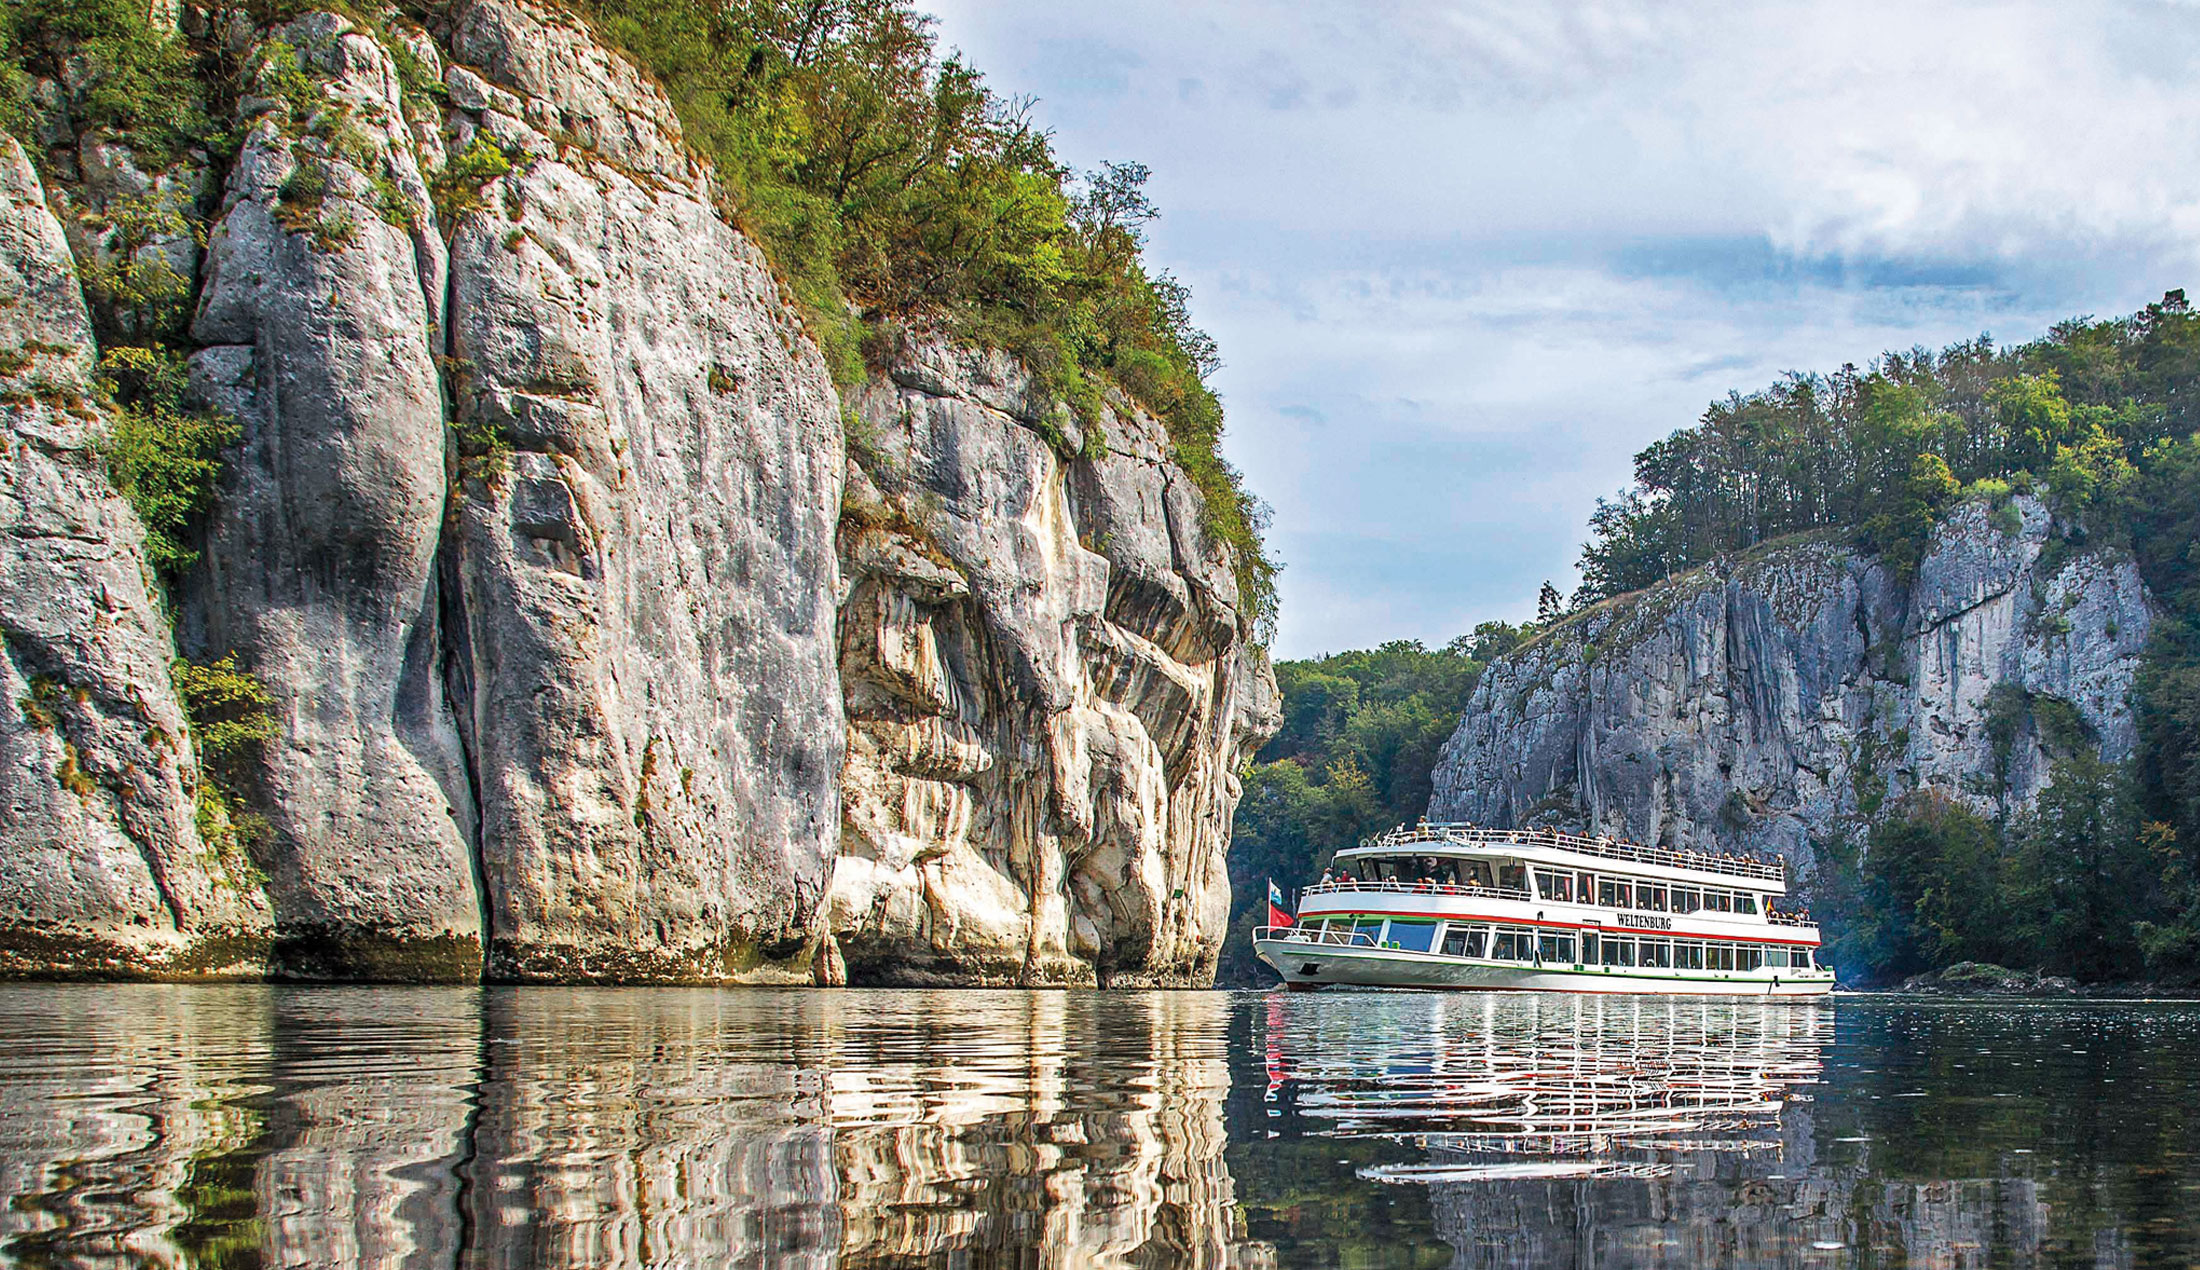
1883 452
890 185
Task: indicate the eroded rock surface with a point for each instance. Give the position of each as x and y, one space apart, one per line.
317 331
1049 686
1766 703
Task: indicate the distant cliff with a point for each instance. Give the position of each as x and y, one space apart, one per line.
1775 700
540 527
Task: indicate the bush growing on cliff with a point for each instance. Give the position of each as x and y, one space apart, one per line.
1934 886
230 713
890 186
128 72
161 456
2080 884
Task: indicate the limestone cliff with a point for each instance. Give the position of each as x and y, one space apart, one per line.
1769 702
536 531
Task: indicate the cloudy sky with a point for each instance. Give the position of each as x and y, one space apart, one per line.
1465 258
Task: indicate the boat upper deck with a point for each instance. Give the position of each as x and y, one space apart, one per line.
1551 846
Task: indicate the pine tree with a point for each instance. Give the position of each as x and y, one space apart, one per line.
1549 607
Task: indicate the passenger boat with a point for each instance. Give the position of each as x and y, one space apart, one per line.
1456 906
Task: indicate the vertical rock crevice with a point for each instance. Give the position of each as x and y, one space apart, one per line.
315 326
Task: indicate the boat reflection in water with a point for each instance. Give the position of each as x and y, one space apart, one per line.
1560 1129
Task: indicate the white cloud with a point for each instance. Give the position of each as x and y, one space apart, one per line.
1498 247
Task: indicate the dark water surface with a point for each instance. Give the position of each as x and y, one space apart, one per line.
254 1126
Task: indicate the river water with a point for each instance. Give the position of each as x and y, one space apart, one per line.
261 1126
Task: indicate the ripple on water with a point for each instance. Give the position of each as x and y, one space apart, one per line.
255 1125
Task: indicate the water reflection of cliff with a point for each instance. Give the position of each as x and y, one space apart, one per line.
891 1129
198 1127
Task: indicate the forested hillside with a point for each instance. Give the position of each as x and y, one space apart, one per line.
2097 418
1359 739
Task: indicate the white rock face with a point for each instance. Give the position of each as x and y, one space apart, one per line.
1767 703
646 667
103 870
320 564
1049 690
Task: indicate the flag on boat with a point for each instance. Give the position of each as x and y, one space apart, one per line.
1278 915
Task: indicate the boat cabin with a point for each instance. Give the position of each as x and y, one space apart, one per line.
1628 914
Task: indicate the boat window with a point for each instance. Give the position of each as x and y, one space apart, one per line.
1369 931
1654 952
1687 956
1651 898
1557 949
1589 949
1481 875
1586 886
1718 901
1512 877
1513 945
1687 899
1745 903
1776 958
1555 886
1719 956
1619 952
1614 893
1478 941
1749 957
1455 941
1412 936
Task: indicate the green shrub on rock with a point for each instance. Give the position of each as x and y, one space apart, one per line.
129 73
161 456
230 714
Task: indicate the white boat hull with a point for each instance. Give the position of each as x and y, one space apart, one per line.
1306 964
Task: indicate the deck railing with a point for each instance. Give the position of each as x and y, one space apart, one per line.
1422 888
1602 848
1311 935
1778 918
